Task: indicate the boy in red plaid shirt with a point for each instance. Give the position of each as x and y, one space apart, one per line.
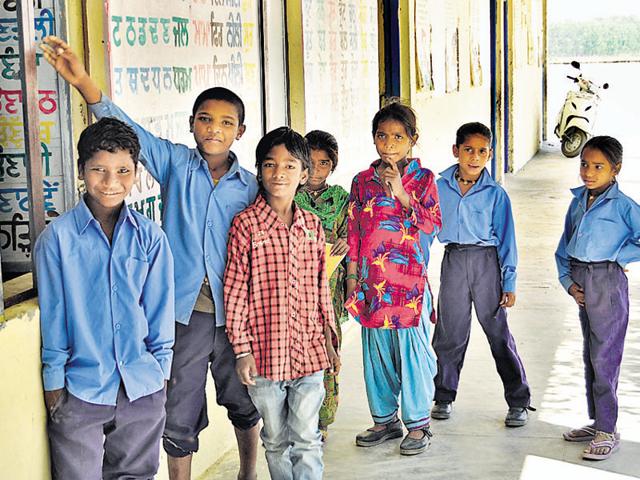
280 317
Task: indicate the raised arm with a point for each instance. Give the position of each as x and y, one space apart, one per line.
424 208
156 153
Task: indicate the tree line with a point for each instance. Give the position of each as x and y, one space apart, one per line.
603 37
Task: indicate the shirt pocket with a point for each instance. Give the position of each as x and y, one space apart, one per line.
482 218
137 271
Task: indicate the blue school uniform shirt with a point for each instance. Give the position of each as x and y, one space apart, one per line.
481 217
608 231
106 310
196 214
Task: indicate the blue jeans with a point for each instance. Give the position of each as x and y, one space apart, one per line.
290 434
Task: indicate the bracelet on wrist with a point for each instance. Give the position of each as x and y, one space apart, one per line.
242 355
352 276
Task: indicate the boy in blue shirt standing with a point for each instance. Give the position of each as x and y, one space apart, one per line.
106 313
203 188
479 267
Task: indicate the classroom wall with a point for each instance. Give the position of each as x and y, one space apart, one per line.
24 451
335 87
525 84
448 72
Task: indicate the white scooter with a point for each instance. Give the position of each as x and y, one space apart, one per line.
577 117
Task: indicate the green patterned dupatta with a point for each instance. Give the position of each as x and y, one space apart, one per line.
331 207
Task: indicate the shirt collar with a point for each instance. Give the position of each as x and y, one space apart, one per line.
84 216
611 192
483 181
269 219
234 169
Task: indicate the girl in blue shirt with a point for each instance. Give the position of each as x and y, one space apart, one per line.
601 235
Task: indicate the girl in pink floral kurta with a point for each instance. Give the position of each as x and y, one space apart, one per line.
392 204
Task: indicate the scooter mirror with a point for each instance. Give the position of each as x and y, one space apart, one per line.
605 86
575 64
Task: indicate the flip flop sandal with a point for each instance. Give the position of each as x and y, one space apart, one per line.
610 444
582 434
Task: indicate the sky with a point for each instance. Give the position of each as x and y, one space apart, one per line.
563 10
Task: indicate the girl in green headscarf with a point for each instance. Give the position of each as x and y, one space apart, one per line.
330 204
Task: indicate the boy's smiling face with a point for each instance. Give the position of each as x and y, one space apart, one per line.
108 179
215 127
281 173
473 154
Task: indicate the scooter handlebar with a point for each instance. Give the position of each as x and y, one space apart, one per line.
572 78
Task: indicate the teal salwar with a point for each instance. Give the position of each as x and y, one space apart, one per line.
399 367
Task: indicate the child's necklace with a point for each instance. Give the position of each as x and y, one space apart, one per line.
594 195
463 181
316 193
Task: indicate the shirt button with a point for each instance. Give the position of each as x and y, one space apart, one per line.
117 326
209 224
207 257
121 362
114 288
293 314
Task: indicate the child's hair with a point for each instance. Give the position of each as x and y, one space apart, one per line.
292 141
399 112
223 94
609 146
321 140
108 134
472 128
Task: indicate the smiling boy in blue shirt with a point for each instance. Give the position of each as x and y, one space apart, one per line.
203 188
479 267
106 313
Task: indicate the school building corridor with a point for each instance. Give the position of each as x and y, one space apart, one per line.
474 443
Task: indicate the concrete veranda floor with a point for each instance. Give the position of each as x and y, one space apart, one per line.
474 444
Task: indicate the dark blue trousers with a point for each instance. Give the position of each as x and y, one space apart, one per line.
604 320
470 274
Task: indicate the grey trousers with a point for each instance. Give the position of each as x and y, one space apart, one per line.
201 346
604 320
94 442
470 274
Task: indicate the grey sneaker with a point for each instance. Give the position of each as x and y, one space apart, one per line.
441 410
413 446
517 417
370 437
